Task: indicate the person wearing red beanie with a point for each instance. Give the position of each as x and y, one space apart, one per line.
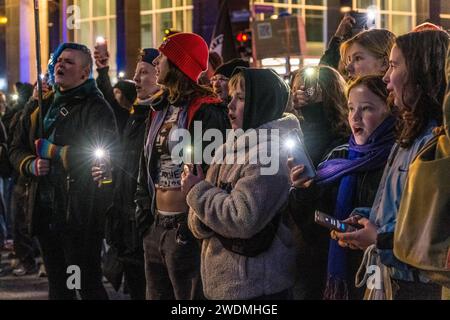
172 255
188 51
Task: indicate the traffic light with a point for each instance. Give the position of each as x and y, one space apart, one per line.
244 40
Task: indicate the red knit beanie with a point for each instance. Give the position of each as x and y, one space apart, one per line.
188 51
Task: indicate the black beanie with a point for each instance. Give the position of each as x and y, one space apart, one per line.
149 54
227 68
128 89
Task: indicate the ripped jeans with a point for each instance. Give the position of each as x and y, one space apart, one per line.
172 260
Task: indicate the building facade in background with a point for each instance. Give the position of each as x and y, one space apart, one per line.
133 24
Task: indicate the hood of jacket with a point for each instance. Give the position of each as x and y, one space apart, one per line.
266 97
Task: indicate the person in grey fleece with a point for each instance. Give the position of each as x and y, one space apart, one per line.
239 201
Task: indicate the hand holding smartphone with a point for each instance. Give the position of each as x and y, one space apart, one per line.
297 151
101 49
332 223
311 83
360 24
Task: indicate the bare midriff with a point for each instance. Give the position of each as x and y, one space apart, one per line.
171 200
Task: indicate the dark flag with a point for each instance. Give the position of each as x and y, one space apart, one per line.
222 40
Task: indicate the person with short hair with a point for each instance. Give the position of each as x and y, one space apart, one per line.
219 81
63 210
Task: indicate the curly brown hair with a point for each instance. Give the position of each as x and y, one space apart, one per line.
424 89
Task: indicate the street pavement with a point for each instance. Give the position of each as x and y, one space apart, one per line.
31 287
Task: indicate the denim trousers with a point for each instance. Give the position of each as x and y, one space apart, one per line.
172 260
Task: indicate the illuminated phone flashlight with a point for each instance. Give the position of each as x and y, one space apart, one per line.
372 13
104 162
99 153
100 40
42 76
290 144
15 97
309 81
121 74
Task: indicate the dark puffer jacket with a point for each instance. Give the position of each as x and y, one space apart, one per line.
104 85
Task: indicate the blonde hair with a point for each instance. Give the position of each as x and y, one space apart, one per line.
236 81
378 42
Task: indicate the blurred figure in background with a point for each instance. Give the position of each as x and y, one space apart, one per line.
214 61
219 81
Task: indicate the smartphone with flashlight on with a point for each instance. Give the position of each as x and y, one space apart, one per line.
332 223
103 161
360 24
311 83
297 151
101 46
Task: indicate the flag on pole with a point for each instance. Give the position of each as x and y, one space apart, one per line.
222 40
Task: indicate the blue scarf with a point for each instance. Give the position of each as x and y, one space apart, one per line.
374 155
370 156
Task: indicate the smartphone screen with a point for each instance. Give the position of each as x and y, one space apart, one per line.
332 223
296 150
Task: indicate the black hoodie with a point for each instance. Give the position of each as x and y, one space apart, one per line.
266 97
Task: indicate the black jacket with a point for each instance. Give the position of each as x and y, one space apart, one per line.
317 136
67 197
104 84
212 115
120 219
332 55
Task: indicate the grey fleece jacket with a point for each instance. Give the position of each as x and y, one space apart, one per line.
254 200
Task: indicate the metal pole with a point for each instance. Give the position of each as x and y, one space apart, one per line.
38 65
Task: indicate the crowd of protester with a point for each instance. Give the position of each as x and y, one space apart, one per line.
218 230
